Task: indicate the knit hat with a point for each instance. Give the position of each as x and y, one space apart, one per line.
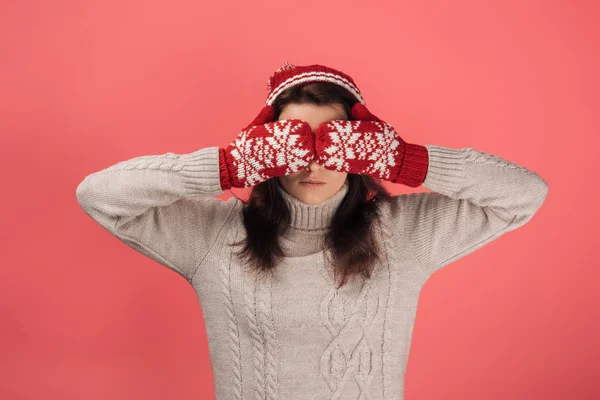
290 75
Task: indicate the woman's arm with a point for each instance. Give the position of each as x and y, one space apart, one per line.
161 205
476 197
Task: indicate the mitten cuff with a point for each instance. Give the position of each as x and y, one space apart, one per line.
224 171
414 165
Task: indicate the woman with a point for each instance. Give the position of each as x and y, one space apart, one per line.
310 290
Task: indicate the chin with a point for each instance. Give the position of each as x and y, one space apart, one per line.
312 198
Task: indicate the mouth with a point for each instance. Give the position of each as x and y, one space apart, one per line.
312 183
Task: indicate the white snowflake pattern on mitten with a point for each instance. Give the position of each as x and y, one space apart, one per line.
273 149
359 147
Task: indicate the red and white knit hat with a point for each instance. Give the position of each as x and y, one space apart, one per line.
291 75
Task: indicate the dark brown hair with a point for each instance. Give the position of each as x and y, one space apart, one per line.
350 236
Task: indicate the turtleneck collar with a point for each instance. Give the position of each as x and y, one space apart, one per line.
313 217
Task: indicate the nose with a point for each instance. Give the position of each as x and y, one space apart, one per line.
314 166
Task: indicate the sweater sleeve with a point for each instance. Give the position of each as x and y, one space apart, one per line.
475 198
163 206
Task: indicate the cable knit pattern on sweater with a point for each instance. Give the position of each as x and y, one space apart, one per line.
232 326
290 334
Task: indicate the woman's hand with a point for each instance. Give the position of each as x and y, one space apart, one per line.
264 151
370 146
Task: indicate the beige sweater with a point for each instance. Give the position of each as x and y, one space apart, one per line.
293 335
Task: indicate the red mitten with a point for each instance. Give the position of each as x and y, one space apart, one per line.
370 147
264 151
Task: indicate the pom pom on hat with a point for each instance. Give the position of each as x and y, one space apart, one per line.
284 67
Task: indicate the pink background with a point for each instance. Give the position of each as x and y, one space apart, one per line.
85 84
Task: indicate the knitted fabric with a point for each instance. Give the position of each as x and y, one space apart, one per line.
291 334
265 151
290 75
370 148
